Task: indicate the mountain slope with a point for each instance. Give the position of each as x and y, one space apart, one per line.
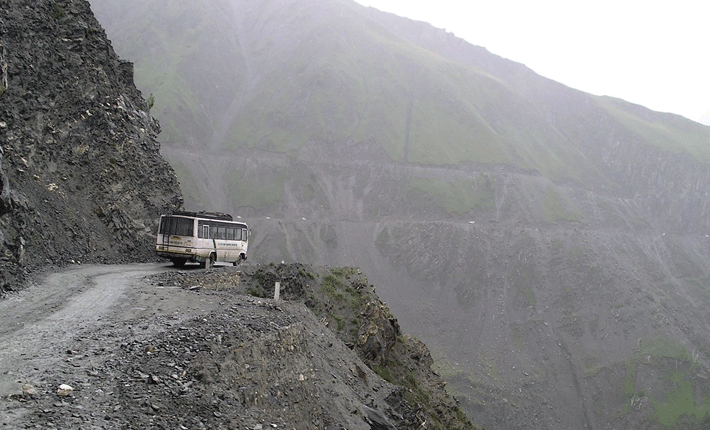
549 245
426 98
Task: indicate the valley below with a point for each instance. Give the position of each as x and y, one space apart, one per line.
544 305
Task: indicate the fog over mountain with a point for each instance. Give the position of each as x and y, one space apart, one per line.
705 118
551 247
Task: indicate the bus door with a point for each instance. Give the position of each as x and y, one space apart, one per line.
209 236
163 231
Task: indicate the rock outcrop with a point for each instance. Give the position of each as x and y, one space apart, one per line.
81 173
340 301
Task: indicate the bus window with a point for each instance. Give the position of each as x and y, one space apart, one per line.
177 226
163 225
201 231
170 228
205 231
184 227
244 234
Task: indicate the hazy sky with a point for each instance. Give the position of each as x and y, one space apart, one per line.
653 53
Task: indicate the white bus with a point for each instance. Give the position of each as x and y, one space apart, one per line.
203 237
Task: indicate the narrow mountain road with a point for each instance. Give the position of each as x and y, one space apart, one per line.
151 347
40 326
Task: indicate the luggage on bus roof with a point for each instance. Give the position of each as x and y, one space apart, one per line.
203 214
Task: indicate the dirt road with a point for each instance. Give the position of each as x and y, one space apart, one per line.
41 326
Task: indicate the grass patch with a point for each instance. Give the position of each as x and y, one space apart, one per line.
458 196
554 207
340 299
681 402
665 348
671 134
384 372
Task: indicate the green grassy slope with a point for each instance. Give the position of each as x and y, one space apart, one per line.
324 71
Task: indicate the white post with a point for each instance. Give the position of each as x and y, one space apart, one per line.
277 291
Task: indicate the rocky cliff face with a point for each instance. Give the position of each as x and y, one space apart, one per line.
82 177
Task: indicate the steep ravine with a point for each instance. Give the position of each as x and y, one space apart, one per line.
557 297
549 306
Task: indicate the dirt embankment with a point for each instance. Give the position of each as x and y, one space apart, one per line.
149 346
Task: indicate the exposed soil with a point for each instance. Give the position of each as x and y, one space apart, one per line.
150 346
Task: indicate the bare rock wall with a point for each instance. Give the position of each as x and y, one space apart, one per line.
82 176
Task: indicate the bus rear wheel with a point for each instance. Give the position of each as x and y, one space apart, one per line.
210 261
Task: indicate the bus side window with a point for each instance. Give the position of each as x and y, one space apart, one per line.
244 234
205 231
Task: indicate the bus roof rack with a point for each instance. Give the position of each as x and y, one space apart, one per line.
204 214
